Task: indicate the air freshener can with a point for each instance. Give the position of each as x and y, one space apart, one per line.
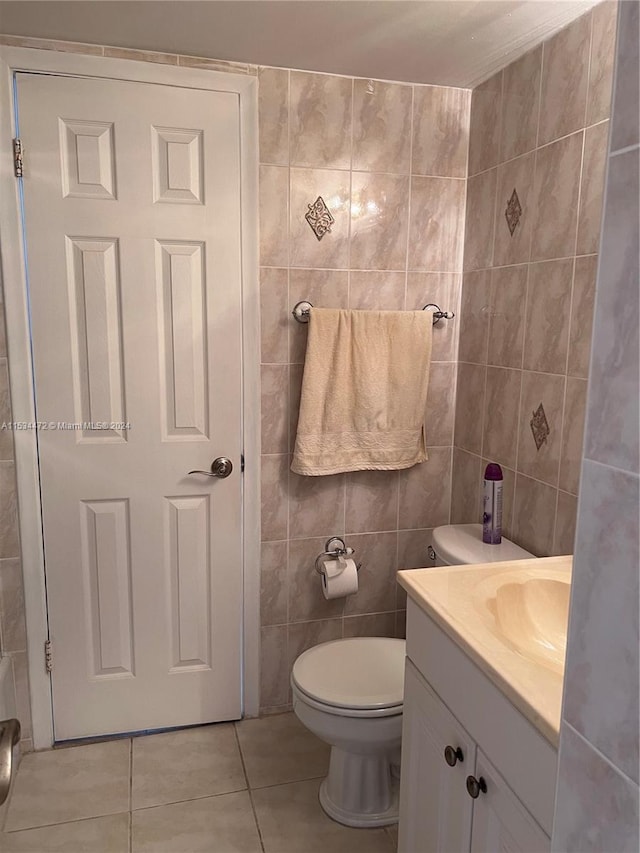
492 505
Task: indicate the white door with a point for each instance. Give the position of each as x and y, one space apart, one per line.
132 217
500 821
435 809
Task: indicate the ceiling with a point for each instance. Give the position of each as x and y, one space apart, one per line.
446 42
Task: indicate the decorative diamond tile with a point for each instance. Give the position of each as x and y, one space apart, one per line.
540 427
319 218
513 212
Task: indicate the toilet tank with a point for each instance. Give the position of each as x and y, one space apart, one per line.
461 544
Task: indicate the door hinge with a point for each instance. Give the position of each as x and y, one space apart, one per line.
241 462
18 157
48 656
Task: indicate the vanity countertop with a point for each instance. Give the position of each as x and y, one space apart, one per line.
511 619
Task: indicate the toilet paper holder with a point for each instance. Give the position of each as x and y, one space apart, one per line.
335 547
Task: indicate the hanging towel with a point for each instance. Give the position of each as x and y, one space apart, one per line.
364 391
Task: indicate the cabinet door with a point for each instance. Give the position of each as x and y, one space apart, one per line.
435 809
500 821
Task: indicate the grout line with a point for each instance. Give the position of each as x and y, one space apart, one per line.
406 290
246 779
601 755
406 261
289 420
624 150
381 172
504 367
62 823
513 265
555 522
349 246
540 94
531 477
589 61
570 317
450 479
501 116
292 781
531 150
483 409
194 799
628 473
305 268
526 309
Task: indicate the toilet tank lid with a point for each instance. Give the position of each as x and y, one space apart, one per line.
461 544
358 672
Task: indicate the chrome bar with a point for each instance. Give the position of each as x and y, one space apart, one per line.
301 312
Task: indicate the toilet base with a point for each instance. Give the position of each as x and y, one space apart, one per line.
360 790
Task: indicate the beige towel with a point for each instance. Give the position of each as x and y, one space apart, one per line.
364 391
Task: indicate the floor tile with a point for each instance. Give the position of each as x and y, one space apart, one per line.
184 765
96 835
291 821
223 824
70 784
280 749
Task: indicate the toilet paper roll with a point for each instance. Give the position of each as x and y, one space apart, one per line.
339 578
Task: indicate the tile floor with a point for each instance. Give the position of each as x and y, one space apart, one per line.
240 787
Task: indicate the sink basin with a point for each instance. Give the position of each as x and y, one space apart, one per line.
532 615
511 619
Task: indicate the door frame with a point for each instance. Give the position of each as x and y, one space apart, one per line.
21 381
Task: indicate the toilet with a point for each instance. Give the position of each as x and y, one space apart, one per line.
349 693
461 544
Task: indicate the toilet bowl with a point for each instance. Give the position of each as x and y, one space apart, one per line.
349 693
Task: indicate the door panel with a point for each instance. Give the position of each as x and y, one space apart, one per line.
93 279
132 217
184 381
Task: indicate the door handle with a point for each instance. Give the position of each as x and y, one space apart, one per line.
220 467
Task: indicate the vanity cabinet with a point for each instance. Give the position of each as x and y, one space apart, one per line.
500 822
435 809
457 726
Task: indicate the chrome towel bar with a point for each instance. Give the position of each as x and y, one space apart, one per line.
301 312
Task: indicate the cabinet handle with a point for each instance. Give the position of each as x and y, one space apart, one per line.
475 786
452 755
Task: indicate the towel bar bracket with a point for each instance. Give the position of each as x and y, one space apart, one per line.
301 312
438 314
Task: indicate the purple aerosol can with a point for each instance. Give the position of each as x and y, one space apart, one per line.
492 505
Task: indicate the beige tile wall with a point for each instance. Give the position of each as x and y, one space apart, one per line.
597 800
390 161
540 126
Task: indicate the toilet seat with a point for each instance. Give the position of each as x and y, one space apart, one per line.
355 677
